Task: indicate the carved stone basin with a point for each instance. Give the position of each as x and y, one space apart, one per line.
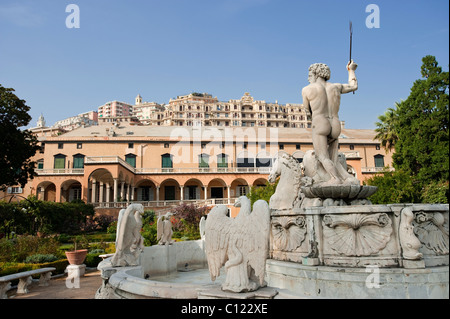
339 191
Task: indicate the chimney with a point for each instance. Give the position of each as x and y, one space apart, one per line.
342 124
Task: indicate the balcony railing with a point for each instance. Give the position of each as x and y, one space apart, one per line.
108 160
60 171
351 154
242 170
168 203
376 169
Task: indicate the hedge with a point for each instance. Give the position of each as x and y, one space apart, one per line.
7 268
34 216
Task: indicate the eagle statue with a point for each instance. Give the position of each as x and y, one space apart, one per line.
240 244
129 242
164 229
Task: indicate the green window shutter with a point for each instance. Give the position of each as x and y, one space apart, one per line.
60 162
222 161
131 160
78 162
379 160
203 161
167 161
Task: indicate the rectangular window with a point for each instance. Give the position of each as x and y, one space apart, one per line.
167 161
222 161
60 162
14 190
78 162
352 147
131 160
60 146
203 161
130 145
79 146
281 146
297 147
379 161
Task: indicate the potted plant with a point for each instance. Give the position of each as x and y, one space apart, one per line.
78 254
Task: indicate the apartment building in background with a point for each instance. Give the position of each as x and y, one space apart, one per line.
80 120
202 109
115 109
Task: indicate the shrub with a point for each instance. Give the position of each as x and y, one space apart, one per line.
40 259
21 247
103 221
186 220
436 193
112 228
92 260
32 216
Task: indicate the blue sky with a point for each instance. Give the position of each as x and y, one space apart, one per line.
164 48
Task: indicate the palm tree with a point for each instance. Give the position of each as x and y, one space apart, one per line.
386 130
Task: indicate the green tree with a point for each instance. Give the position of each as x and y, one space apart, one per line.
18 146
417 129
258 192
386 129
422 126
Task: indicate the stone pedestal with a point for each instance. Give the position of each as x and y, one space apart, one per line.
161 262
75 271
413 264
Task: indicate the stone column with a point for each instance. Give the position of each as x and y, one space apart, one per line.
229 193
108 193
182 192
94 191
115 192
122 190
157 195
100 199
128 192
133 189
206 192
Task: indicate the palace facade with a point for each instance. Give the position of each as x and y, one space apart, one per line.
119 163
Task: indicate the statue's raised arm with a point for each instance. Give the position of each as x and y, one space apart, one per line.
352 81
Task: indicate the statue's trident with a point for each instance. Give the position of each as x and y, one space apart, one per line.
351 40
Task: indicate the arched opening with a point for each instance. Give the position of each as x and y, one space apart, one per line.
239 187
193 189
217 188
145 191
170 190
71 190
46 191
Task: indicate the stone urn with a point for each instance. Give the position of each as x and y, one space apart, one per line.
76 257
